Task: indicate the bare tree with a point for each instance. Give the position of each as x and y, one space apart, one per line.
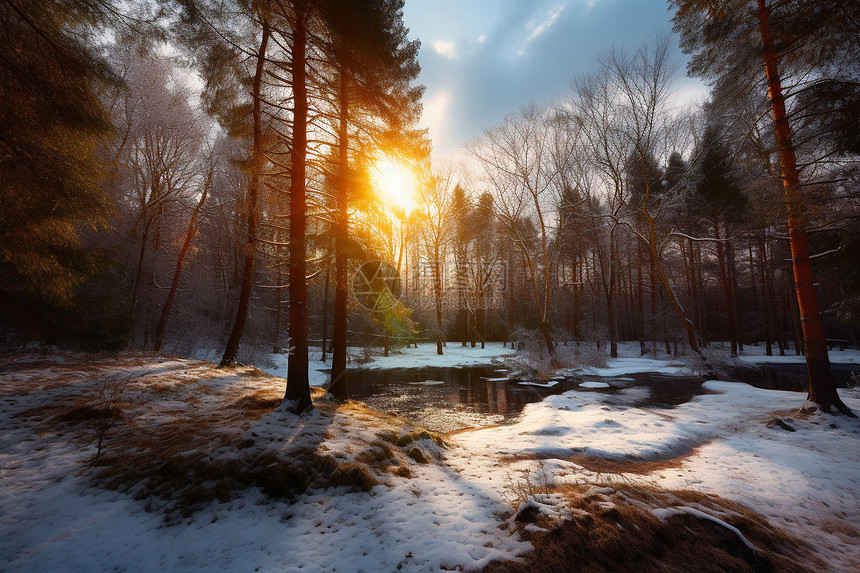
517 163
643 82
158 155
435 228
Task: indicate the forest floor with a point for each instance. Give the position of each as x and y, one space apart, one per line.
144 462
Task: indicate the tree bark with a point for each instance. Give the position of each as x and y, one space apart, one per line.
297 397
229 356
822 389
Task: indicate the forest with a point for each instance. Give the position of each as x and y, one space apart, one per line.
253 177
251 319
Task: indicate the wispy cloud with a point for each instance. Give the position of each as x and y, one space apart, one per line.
544 26
445 48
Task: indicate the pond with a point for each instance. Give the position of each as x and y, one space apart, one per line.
790 377
448 399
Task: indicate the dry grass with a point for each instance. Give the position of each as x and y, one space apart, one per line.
613 529
180 437
415 435
614 467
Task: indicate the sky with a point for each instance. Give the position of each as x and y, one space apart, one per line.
484 59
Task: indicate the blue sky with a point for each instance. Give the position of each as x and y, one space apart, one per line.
483 59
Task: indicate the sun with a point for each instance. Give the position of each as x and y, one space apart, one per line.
396 184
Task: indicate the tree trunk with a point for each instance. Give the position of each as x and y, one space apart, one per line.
437 293
639 302
667 287
325 317
229 356
822 389
278 297
338 383
727 290
297 397
189 234
610 298
767 299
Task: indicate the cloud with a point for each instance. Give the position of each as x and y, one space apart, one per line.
544 26
494 56
445 48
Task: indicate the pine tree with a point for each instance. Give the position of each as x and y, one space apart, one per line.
52 123
745 45
374 67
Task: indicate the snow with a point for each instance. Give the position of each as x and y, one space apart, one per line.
53 517
805 482
454 355
593 385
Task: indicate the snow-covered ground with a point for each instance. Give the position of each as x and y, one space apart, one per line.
53 517
806 481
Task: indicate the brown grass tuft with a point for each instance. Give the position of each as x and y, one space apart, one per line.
355 476
613 529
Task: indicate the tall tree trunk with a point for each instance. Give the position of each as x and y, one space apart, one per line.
822 389
694 295
325 317
724 282
731 263
338 383
610 298
138 275
189 234
667 287
639 296
658 266
767 299
437 293
229 356
297 397
653 276
279 295
547 281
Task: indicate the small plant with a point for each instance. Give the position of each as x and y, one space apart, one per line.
537 485
106 413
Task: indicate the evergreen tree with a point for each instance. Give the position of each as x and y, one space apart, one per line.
376 106
52 123
744 45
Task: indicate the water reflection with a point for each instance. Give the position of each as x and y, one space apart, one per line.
446 399
792 377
